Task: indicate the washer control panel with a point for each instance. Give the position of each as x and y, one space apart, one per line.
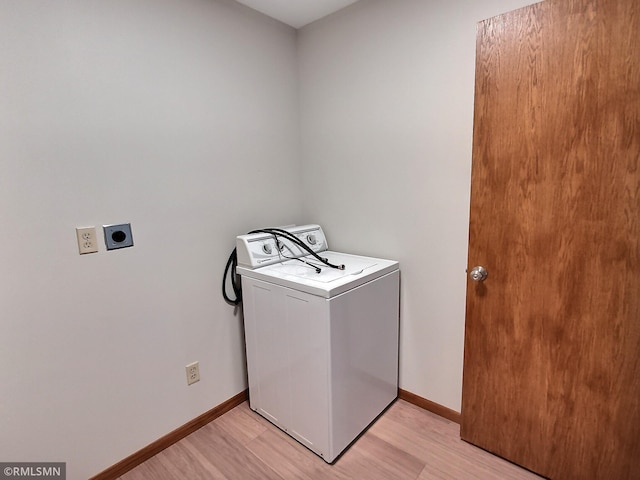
258 249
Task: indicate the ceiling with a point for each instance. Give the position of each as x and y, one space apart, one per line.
297 13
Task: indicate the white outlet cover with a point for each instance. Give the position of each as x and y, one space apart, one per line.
87 241
193 373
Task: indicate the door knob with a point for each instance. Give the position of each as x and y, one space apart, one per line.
478 274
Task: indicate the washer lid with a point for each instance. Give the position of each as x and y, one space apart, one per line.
329 281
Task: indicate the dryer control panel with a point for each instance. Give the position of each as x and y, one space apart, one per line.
258 249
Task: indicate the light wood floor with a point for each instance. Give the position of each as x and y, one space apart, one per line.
406 442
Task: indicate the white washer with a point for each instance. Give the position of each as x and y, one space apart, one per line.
322 348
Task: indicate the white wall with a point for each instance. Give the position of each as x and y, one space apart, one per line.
179 116
387 114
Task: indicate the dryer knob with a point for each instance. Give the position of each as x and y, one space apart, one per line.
311 239
266 248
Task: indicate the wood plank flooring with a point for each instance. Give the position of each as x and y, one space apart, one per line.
405 443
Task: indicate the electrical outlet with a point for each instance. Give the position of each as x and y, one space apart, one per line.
118 236
87 241
193 373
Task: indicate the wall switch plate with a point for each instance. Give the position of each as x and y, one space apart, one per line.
193 373
87 241
118 236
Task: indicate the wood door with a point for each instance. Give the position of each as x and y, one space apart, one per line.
552 342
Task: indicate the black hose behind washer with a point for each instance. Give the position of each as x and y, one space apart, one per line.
232 263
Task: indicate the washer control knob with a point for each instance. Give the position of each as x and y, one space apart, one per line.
311 239
266 248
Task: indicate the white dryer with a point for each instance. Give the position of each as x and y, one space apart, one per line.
322 343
